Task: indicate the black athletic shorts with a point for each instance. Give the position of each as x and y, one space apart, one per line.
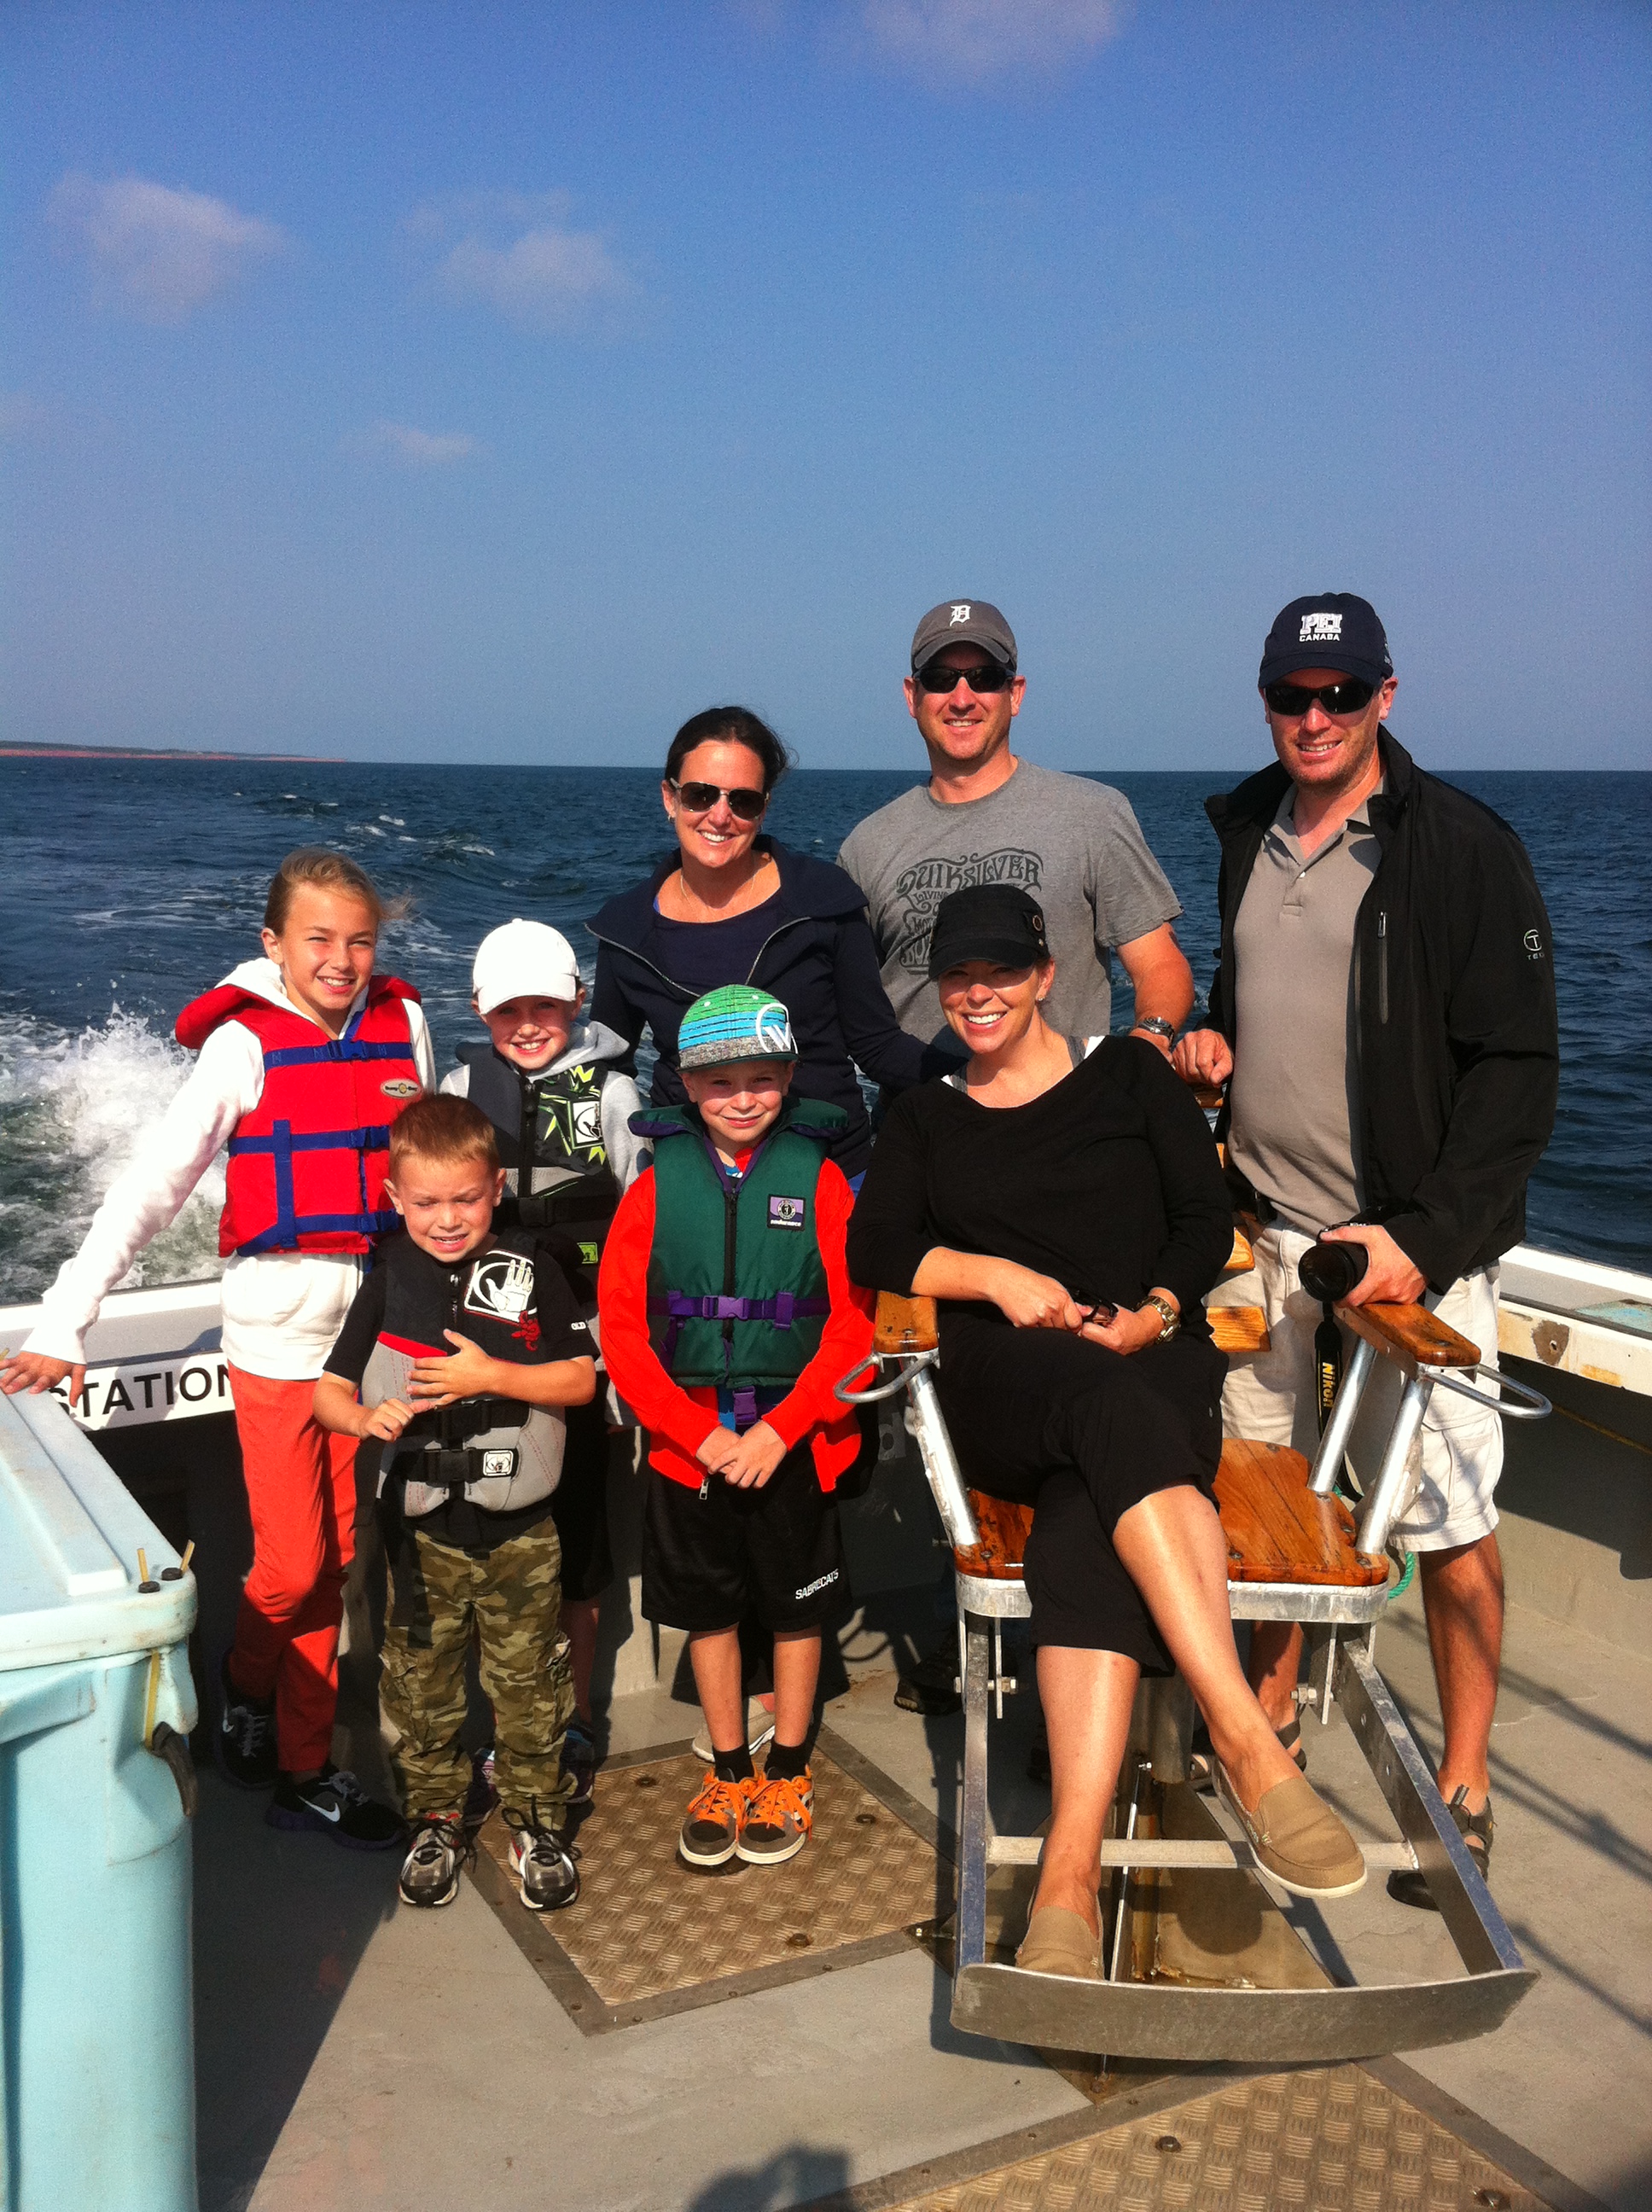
774 1554
579 1505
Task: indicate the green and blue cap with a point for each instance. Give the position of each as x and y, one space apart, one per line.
734 1023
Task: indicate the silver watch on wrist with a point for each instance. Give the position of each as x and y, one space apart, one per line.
1167 1313
1158 1025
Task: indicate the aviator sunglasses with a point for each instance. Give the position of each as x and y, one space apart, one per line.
1348 698
700 798
986 676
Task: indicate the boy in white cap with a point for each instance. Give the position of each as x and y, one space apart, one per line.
560 1099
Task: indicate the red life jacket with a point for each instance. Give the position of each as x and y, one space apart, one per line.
307 1165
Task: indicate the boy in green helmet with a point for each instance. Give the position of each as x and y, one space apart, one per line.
727 1316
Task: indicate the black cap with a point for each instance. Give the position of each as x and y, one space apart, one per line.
963 622
1329 630
987 921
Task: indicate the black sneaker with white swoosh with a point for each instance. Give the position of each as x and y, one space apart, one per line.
244 1747
335 1804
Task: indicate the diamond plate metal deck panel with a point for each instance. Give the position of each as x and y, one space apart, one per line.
1333 2142
649 1936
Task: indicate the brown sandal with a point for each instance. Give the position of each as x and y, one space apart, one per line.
1410 1887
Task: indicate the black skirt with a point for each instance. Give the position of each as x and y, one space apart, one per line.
1083 1434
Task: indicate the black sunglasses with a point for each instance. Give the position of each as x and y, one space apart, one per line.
1347 697
985 676
700 798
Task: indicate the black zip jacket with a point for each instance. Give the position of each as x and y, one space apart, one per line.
1455 1017
818 960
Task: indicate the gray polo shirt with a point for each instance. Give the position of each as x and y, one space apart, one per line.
1295 1074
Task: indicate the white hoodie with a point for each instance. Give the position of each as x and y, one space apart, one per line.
283 1310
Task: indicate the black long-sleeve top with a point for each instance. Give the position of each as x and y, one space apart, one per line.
1109 1182
816 955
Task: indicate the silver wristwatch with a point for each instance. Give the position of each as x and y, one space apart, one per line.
1158 1025
1167 1313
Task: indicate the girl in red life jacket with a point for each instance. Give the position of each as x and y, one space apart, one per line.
305 1059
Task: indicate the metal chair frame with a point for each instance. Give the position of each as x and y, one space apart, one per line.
1165 2021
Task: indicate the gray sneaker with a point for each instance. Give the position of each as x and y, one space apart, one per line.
430 1871
543 1862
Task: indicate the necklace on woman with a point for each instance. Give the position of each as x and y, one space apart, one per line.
736 901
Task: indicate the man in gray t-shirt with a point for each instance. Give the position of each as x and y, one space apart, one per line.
987 817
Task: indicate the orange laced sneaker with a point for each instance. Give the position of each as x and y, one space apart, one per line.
710 1834
778 1821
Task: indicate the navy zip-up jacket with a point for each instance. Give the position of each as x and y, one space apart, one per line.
819 961
1455 1026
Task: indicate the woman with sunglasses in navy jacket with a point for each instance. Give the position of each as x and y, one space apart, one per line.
733 906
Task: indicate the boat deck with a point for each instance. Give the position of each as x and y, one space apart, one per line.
352 2054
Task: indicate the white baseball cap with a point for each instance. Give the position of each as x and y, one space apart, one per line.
524 960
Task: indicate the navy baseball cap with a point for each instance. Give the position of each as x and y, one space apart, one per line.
1329 629
987 921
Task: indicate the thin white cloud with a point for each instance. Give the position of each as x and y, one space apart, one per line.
980 38
158 250
519 253
421 449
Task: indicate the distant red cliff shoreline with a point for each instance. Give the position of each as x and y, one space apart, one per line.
149 752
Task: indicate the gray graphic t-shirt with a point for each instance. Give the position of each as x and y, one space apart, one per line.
1075 845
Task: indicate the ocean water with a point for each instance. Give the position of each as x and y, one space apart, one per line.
130 886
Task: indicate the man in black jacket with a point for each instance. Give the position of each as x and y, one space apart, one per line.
1384 1015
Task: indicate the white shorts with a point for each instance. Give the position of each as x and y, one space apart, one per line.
1272 1398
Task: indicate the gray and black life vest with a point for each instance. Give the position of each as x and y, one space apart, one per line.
548 1129
500 1453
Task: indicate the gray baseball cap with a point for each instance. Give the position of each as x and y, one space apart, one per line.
963 622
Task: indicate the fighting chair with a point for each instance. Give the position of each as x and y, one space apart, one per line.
1295 1553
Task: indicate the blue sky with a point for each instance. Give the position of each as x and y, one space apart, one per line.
506 382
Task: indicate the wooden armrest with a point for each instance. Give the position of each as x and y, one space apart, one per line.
904 1325
1209 1095
1241 1259
1238 1330
1411 1336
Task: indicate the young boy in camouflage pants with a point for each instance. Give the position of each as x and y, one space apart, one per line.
464 1351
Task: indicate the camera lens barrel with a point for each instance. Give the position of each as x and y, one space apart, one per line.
1329 1271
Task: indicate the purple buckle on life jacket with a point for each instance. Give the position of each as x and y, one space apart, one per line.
745 1407
730 1308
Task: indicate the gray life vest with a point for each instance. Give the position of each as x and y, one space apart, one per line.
500 1453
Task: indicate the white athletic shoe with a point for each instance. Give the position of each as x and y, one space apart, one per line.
759 1727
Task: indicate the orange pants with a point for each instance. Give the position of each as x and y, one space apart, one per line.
300 1491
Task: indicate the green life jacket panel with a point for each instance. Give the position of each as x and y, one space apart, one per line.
737 1287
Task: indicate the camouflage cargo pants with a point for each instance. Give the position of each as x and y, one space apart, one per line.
510 1598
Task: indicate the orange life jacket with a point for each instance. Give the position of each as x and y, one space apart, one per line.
307 1165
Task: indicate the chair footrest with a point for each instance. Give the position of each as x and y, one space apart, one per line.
1173 1852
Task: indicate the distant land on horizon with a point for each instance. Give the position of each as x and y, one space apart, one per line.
14 749
8 751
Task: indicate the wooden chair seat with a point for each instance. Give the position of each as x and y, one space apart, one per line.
1278 1530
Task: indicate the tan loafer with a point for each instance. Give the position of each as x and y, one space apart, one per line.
1299 1841
1058 1941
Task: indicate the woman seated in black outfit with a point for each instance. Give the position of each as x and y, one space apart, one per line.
1063 1201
